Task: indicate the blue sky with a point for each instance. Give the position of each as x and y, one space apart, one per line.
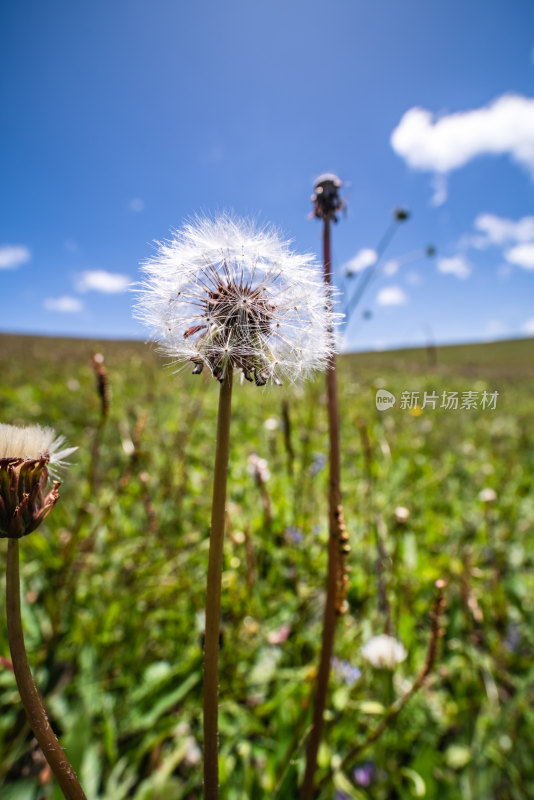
121 119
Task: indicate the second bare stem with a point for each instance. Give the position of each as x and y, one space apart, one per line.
334 502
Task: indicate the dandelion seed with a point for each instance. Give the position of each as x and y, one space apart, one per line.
224 294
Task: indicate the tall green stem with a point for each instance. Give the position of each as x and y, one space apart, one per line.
330 615
213 593
31 699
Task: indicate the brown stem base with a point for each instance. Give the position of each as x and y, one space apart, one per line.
31 699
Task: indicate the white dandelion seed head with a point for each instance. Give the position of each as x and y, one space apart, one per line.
226 293
32 443
487 495
384 652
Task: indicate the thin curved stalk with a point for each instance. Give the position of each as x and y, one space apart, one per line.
330 613
31 699
372 271
213 593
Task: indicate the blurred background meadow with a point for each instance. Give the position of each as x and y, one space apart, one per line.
114 584
120 121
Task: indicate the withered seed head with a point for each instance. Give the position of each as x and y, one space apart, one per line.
24 501
26 454
325 198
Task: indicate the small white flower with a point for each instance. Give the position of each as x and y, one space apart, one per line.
224 293
271 424
402 514
487 495
384 652
33 442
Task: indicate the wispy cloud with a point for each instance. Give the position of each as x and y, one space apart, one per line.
364 258
528 327
494 230
391 296
65 304
455 265
12 256
522 255
136 204
99 280
440 145
515 239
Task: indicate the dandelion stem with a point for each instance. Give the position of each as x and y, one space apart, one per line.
330 615
31 699
213 593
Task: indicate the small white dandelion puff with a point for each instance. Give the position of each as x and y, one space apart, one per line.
487 495
225 294
384 652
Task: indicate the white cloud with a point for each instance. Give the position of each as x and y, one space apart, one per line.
363 259
136 204
504 127
528 327
522 255
99 280
65 305
456 265
12 256
391 296
499 230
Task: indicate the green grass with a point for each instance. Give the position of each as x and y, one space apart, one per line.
114 581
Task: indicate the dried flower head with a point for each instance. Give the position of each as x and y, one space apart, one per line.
224 293
384 652
25 456
325 198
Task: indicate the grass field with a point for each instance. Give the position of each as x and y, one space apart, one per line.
114 581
